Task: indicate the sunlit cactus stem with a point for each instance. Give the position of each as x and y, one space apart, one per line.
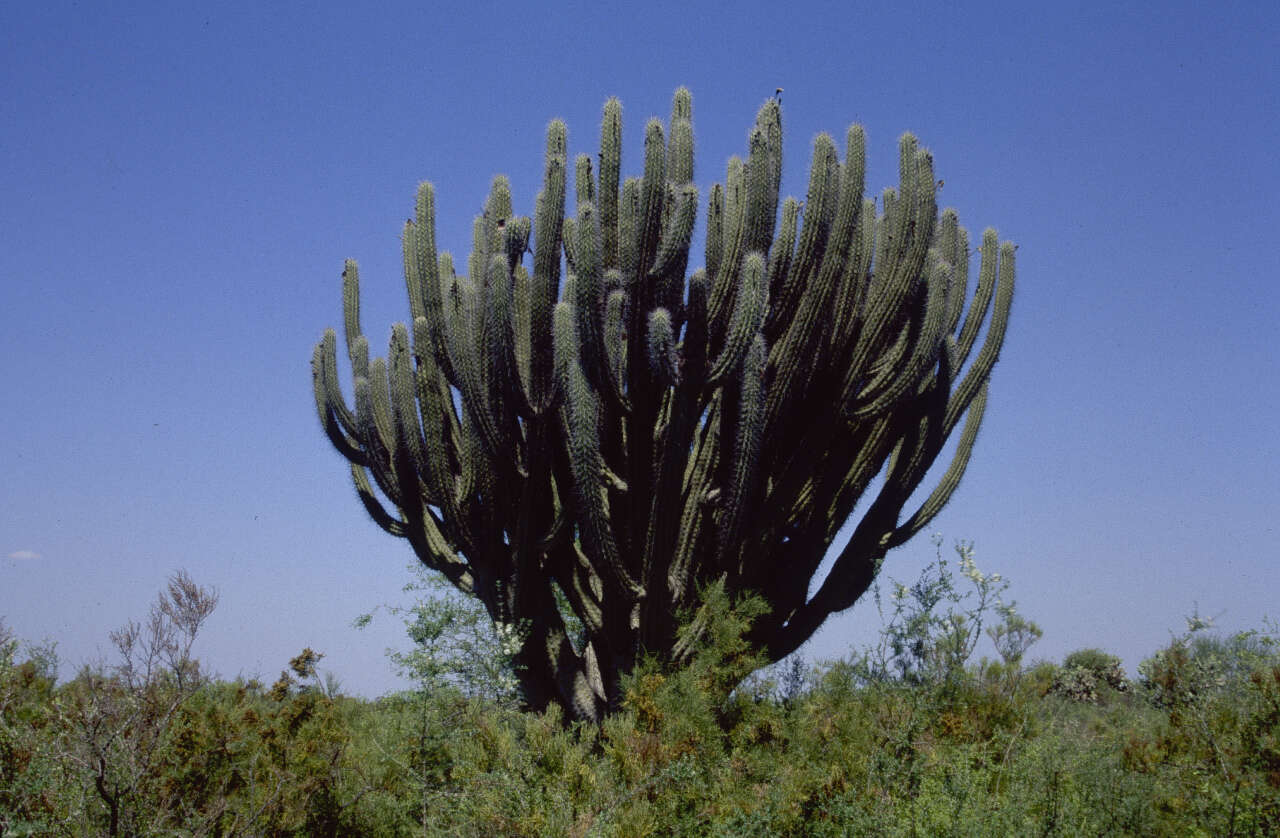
583 427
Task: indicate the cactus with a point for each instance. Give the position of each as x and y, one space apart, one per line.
613 442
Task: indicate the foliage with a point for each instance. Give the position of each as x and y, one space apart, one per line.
609 446
933 627
26 694
455 646
1089 675
908 737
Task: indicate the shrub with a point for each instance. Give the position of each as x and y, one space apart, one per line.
1089 675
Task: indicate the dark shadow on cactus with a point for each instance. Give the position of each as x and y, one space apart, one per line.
619 440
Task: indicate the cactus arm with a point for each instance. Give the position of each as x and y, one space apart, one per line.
746 448
586 699
673 252
373 506
980 370
468 339
523 337
853 283
409 461
950 479
661 348
781 254
336 418
863 459
409 445
961 283
680 145
428 270
858 562
908 228
582 431
420 417
762 179
585 591
729 258
469 461
629 230
515 240
570 242
372 439
635 443
498 346
793 355
750 304
819 212
856 565
665 515
952 245
924 338
589 297
714 246
440 432
652 191
407 457
548 227
610 169
697 499
351 307
856 283
506 393
583 180
497 212
613 335
694 345
380 402
413 273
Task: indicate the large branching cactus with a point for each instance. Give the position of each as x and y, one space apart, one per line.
607 445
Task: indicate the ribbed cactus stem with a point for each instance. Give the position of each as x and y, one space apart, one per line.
715 230
748 315
652 190
661 347
351 306
548 223
582 433
746 446
584 180
680 146
610 172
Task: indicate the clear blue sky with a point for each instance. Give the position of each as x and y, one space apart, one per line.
181 183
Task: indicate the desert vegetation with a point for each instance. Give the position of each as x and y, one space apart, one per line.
632 496
943 725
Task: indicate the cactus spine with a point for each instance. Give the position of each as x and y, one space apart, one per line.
616 439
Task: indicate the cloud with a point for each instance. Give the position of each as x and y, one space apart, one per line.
24 555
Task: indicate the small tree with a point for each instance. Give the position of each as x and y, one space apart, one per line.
117 718
621 440
932 627
454 644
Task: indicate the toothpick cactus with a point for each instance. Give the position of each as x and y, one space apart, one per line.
609 440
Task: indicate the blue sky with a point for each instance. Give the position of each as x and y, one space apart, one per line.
182 181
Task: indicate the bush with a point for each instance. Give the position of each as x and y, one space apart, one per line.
926 744
1089 675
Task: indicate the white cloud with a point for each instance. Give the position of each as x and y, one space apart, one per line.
24 555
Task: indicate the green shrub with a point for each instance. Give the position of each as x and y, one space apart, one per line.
844 747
